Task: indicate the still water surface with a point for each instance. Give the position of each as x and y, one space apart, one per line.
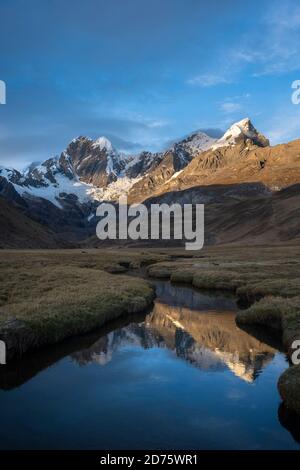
183 376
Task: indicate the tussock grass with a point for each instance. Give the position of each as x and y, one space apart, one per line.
43 303
222 279
276 286
289 386
182 276
46 296
263 272
282 314
268 312
160 270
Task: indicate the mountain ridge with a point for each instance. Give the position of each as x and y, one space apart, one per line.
87 167
63 192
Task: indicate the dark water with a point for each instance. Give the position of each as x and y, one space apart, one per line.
184 376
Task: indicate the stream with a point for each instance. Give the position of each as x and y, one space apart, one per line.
182 376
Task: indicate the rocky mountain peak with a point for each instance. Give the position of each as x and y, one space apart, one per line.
95 162
241 132
103 143
196 142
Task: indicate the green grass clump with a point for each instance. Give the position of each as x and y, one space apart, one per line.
289 386
183 275
265 287
58 302
279 313
224 280
160 271
47 295
266 312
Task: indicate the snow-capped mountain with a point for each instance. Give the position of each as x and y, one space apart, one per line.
83 170
196 142
95 162
63 192
93 170
89 171
240 132
168 175
242 156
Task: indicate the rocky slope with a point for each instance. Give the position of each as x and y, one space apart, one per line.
63 192
92 170
235 214
242 155
19 231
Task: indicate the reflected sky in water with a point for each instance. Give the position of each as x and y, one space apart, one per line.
183 376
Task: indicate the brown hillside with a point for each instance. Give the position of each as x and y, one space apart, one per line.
19 231
277 167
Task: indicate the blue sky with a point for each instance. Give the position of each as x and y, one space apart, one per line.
143 72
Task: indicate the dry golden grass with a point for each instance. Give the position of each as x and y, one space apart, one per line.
278 313
48 296
250 272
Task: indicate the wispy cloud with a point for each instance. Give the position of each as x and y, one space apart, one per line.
275 49
207 80
271 49
152 124
230 107
234 104
282 130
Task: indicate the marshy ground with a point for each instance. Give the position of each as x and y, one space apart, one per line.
48 295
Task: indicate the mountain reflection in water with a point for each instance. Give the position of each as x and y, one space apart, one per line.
210 340
181 376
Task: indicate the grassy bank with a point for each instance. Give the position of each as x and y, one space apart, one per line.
282 315
46 297
250 272
278 313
